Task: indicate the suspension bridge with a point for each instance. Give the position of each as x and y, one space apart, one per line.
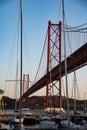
54 72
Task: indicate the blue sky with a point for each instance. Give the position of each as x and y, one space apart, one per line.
36 14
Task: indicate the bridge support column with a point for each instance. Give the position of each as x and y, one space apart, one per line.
53 89
24 89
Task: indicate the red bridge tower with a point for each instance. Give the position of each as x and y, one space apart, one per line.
53 89
25 87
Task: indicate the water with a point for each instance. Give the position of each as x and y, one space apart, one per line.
38 112
7 126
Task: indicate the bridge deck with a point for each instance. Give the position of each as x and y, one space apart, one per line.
75 61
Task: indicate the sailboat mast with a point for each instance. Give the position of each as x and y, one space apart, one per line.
74 92
20 58
64 40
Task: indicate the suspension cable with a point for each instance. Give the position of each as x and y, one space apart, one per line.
40 59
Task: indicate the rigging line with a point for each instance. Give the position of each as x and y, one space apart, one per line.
75 86
24 45
5 89
68 38
16 77
40 58
63 87
66 82
26 58
59 9
66 31
12 50
77 89
26 52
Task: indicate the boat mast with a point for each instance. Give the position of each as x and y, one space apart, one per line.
20 105
64 40
84 103
16 85
74 92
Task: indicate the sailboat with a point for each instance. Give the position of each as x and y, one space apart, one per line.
16 120
21 49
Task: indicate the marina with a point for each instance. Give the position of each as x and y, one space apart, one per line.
78 121
57 109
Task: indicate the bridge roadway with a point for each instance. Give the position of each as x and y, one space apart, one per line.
75 61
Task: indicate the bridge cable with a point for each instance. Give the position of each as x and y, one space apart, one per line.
40 58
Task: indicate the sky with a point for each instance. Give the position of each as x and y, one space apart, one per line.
36 14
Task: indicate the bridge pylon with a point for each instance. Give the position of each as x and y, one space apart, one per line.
25 87
53 89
